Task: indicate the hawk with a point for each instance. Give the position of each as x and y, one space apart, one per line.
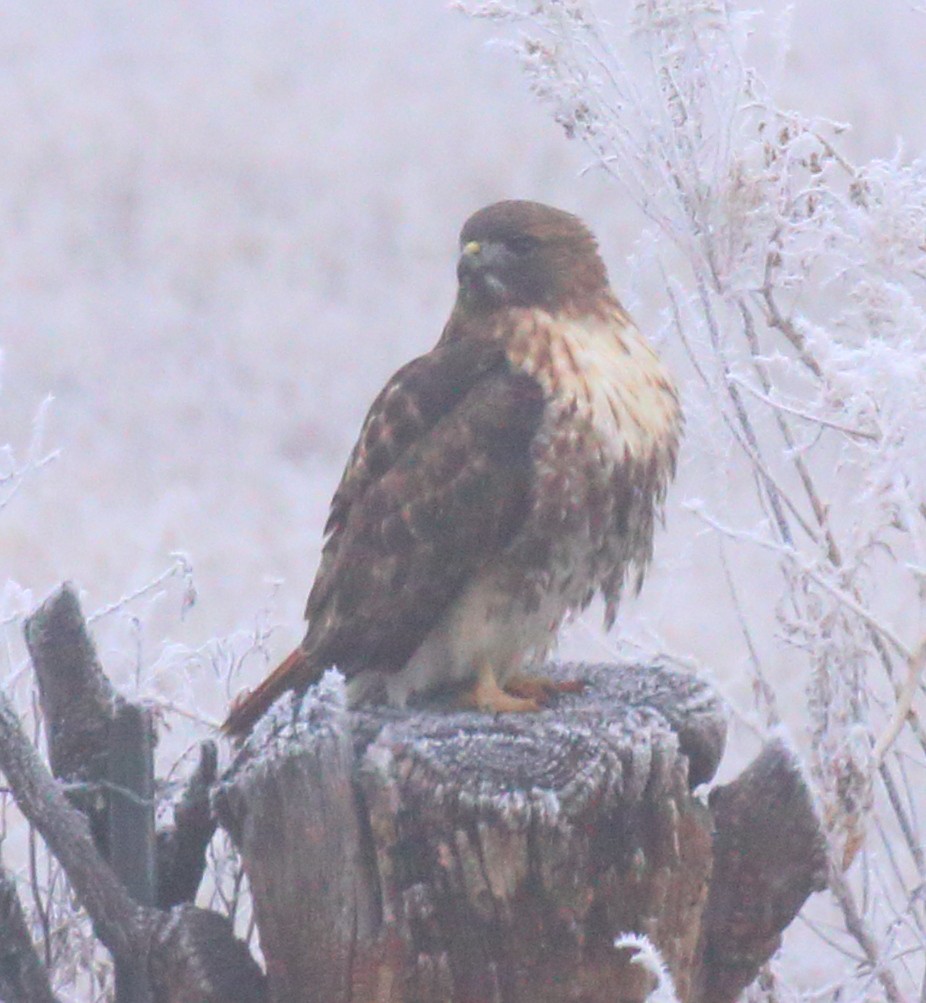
499 482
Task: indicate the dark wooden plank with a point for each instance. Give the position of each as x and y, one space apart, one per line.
131 839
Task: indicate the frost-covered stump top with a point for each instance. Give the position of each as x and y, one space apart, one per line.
520 766
456 856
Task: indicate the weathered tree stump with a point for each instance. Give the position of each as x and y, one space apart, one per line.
421 856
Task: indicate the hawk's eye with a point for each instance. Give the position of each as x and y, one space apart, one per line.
521 244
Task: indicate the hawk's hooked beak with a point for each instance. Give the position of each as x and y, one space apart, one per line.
480 268
471 259
471 263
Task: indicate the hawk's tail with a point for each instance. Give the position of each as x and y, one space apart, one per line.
294 672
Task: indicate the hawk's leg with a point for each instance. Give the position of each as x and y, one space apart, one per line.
487 695
541 689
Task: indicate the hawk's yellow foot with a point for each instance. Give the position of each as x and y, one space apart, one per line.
541 689
486 695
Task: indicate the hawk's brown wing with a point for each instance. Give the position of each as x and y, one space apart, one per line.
417 396
408 406
438 483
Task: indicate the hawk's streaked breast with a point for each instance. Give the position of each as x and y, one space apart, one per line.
603 456
603 367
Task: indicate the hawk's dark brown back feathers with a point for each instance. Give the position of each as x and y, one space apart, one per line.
498 480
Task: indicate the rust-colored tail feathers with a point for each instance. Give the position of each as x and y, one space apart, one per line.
294 672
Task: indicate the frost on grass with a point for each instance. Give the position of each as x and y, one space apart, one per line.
793 283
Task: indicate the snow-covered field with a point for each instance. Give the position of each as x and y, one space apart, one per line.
224 224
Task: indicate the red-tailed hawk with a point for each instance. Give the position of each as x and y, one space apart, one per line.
499 482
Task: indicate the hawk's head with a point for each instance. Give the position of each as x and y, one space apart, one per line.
525 254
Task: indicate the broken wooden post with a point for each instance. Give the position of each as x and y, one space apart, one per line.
103 746
420 856
78 703
94 737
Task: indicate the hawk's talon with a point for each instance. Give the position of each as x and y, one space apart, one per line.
487 696
541 689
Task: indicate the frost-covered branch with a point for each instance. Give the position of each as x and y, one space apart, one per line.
186 953
180 567
67 833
